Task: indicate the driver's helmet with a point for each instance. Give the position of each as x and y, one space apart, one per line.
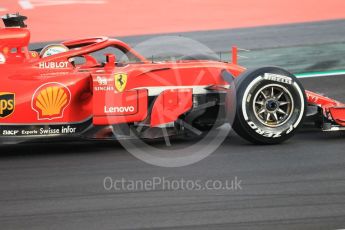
53 49
2 58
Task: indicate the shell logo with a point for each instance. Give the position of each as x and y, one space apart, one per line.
50 100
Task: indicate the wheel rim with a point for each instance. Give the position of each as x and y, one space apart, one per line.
273 105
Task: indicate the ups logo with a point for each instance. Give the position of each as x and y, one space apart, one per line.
6 104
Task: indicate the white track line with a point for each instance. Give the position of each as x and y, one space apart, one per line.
321 74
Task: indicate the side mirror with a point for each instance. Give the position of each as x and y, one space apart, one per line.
110 60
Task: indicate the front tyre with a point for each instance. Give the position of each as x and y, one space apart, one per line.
270 105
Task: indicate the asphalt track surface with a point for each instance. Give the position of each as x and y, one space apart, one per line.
264 37
296 185
302 47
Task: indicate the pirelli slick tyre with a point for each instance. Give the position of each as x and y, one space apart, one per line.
270 105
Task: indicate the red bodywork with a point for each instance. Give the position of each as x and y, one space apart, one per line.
90 87
332 110
55 91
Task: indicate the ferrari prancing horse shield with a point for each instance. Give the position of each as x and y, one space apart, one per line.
120 81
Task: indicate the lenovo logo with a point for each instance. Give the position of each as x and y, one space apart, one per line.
120 109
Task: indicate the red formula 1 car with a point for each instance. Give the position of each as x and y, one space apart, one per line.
64 91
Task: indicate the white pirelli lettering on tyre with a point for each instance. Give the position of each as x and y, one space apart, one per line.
302 104
263 132
290 129
278 78
245 96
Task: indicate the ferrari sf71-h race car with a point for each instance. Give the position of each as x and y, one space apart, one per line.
63 90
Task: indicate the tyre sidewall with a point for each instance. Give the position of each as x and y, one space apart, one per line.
246 123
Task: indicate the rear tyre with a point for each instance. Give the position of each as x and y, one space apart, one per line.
270 105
